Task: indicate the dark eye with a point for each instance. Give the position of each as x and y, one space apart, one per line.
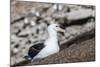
56 26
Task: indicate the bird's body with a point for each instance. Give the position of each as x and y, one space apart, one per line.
49 47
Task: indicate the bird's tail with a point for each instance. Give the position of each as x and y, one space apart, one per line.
28 58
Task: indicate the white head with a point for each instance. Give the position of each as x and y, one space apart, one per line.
54 28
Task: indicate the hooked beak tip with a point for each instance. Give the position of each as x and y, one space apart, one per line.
61 31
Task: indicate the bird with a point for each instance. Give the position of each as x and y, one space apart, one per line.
50 45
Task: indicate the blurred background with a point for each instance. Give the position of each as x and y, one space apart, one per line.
29 22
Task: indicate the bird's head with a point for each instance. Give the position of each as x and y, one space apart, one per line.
56 27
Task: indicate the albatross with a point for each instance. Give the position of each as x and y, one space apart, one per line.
49 47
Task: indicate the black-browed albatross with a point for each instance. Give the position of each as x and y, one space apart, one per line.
49 47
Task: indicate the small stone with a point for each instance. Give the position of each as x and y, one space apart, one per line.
26 20
15 50
32 23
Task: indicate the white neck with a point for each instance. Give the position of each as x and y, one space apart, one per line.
52 34
52 39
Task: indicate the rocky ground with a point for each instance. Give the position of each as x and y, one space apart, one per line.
29 22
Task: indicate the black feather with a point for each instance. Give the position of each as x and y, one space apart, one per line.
35 49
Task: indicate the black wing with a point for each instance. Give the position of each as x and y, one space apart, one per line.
35 49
